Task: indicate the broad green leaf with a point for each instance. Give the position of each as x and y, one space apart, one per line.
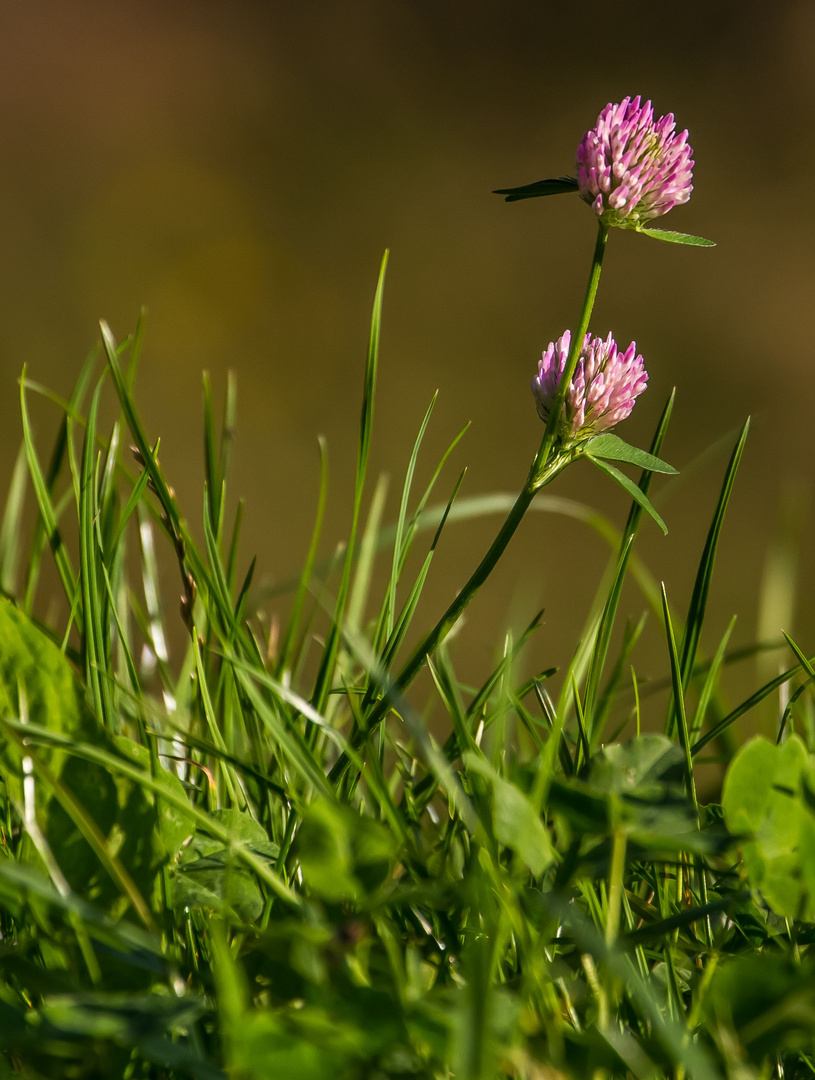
678 238
612 446
561 185
261 1048
209 875
635 786
174 826
514 820
766 1003
629 486
100 827
766 806
633 766
342 854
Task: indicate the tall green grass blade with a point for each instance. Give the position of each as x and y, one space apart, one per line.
293 627
606 625
46 507
41 535
211 462
325 674
10 538
679 699
396 562
360 589
631 636
405 618
95 620
704 574
711 679
749 703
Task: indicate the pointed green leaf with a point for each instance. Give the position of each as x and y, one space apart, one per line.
678 238
704 574
628 485
516 823
612 446
560 185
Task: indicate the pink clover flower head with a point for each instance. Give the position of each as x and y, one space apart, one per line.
631 168
604 387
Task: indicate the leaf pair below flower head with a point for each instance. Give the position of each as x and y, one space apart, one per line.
563 185
612 447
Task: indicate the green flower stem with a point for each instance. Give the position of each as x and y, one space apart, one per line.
547 463
615 885
545 467
550 434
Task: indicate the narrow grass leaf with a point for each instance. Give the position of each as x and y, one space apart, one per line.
704 573
325 674
10 537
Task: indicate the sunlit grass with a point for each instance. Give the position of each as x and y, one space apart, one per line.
247 855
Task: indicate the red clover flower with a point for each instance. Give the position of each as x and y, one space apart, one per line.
631 168
605 384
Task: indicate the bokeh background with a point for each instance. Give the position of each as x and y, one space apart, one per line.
239 168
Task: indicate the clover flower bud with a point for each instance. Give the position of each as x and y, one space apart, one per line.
603 389
631 168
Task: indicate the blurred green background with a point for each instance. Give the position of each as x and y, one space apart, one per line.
238 169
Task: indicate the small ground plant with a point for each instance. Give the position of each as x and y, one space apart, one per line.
230 852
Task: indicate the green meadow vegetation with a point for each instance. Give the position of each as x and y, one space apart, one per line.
235 849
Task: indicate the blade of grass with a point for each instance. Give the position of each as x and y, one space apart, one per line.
389 608
325 673
47 514
10 537
704 574
41 534
710 681
746 706
293 626
600 651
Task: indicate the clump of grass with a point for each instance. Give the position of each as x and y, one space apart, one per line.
225 855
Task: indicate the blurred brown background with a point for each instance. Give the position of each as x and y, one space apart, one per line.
238 168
